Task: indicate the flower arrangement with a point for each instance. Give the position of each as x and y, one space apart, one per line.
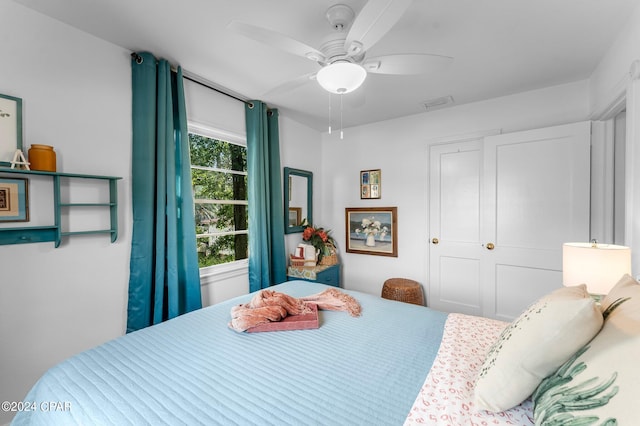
320 239
370 228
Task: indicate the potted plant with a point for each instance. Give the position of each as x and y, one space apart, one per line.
323 242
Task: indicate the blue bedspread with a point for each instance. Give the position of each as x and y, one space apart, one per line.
195 370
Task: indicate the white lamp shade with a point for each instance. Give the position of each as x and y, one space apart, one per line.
599 266
341 77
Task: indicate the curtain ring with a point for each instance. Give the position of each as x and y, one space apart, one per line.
139 59
250 105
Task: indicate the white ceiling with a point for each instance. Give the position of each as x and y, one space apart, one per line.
499 47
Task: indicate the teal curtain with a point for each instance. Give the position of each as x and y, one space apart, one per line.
267 257
164 276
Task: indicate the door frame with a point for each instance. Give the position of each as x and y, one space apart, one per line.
626 95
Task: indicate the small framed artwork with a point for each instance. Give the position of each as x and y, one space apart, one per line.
14 200
10 128
295 216
372 230
370 183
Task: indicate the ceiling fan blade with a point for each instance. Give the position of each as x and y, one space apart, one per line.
290 85
374 20
273 38
409 64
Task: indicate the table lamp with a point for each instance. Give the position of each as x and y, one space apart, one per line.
599 266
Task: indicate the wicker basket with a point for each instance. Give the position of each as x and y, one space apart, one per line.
329 259
404 290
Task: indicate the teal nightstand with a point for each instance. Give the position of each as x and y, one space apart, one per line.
323 274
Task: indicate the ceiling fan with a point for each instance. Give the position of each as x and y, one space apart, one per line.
343 53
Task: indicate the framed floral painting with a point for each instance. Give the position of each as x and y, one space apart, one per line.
372 230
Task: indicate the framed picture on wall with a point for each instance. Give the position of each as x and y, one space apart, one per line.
295 216
10 128
370 183
14 200
372 230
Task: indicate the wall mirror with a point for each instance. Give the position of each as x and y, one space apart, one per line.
298 199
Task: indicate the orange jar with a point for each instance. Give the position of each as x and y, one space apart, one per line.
42 157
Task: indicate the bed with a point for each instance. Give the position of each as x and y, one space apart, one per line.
395 364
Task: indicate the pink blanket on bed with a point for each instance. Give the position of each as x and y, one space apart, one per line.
269 306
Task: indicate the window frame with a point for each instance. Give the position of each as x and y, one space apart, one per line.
238 139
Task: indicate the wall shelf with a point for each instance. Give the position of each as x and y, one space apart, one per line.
54 233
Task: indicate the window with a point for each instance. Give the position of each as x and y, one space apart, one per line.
219 178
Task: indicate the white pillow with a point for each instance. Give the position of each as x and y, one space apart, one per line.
532 347
600 383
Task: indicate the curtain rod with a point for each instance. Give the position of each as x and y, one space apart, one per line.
187 75
199 80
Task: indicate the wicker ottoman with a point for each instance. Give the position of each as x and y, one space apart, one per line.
404 290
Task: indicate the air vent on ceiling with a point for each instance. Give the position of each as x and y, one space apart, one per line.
437 103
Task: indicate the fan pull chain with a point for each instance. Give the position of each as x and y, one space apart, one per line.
341 132
329 113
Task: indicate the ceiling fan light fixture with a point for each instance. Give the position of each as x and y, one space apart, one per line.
341 77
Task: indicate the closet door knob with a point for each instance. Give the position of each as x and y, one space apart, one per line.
435 240
490 246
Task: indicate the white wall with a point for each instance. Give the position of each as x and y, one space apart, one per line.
301 148
613 70
399 148
55 302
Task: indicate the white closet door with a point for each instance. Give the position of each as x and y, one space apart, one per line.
500 209
536 197
455 250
